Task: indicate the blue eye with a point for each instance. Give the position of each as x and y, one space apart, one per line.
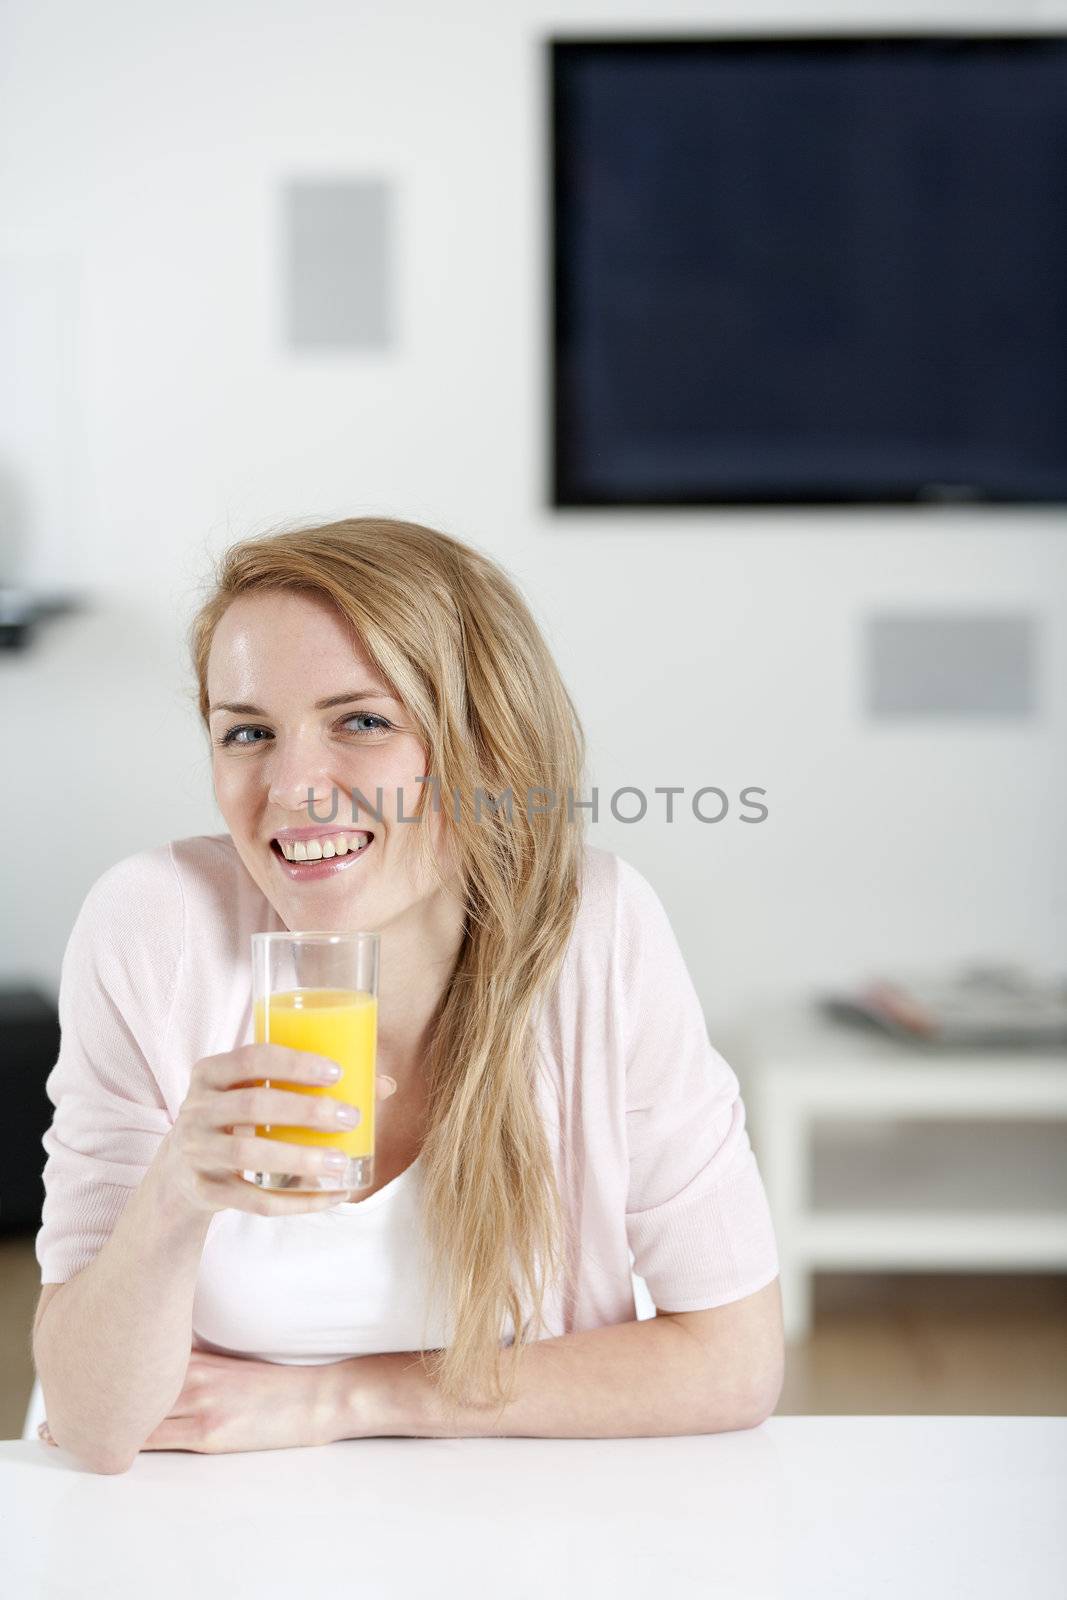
231 737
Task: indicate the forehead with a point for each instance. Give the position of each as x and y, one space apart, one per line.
269 637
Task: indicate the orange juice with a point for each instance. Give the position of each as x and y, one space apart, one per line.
343 1025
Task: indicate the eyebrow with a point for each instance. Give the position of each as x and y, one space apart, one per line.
245 710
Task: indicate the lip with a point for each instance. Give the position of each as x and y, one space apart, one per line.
288 834
311 871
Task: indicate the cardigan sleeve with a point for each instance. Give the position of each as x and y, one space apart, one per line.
118 981
697 1217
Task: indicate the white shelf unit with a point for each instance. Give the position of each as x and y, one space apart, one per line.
881 1155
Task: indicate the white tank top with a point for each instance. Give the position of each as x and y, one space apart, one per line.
322 1286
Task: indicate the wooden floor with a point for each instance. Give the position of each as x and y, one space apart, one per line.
906 1343
933 1345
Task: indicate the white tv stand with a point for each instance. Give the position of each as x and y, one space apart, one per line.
879 1155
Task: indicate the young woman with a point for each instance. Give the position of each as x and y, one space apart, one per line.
550 1101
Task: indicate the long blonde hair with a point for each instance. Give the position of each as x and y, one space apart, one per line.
457 643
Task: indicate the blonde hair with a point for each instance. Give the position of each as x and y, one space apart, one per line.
458 645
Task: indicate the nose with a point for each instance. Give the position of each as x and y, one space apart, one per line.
301 782
319 803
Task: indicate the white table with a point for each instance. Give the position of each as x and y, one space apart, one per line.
856 1507
976 1182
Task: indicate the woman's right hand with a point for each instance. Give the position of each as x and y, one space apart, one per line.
213 1140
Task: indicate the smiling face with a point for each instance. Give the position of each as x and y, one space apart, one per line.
279 658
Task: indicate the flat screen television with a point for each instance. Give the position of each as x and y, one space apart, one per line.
809 270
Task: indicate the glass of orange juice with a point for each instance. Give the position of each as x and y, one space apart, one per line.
319 992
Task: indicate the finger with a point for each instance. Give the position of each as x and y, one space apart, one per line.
384 1086
252 1063
278 1108
249 1153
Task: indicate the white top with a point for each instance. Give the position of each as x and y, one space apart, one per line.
321 1286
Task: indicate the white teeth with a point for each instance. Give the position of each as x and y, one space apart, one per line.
341 844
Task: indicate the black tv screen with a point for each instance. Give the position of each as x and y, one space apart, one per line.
809 270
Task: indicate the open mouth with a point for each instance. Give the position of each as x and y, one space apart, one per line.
313 858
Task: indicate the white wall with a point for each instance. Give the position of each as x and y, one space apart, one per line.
142 146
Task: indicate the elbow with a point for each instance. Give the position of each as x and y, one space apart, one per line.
749 1399
91 1452
91 1457
754 1416
102 1461
110 1465
110 1468
754 1393
763 1397
97 1462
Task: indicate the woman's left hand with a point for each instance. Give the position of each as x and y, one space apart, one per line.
232 1403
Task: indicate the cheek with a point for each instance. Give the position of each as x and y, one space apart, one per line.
432 825
437 831
397 774
231 788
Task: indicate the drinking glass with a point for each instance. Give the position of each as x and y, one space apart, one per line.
319 992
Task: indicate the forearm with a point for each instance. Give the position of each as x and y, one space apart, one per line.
112 1348
633 1380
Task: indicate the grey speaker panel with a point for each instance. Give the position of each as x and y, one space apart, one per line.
337 270
951 663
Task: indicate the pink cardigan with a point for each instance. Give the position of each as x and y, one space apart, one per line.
644 1116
